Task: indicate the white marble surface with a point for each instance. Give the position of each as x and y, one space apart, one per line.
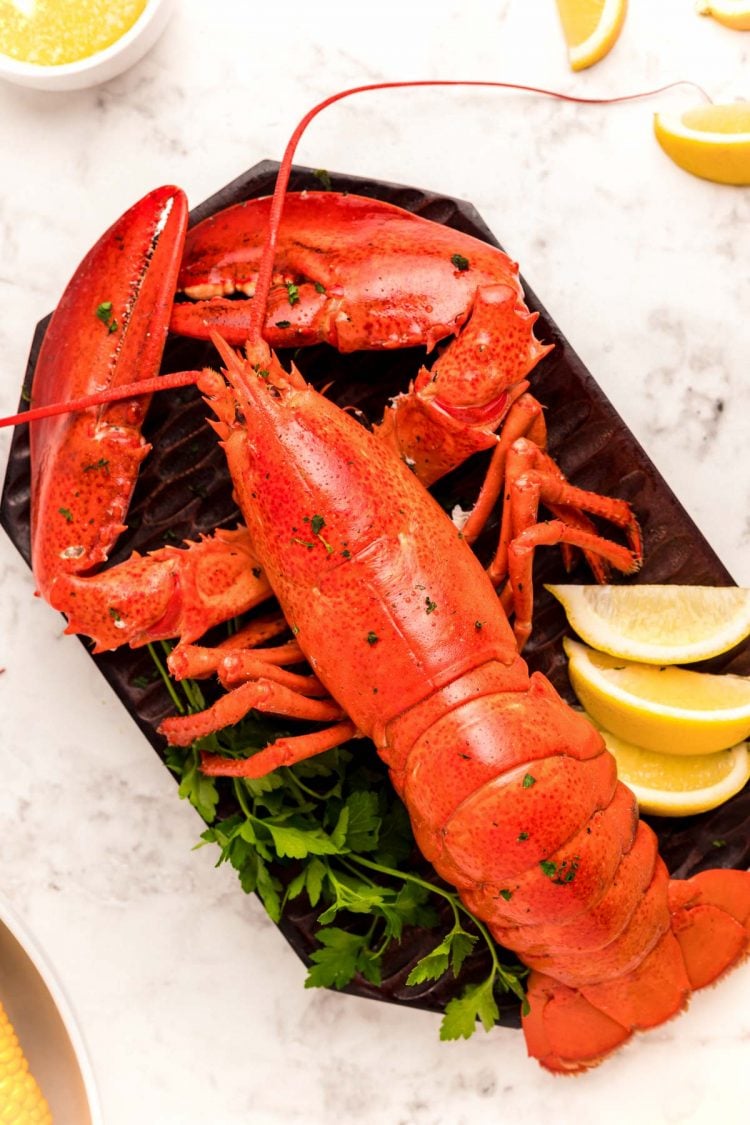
192 1005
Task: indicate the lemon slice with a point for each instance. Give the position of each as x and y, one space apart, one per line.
591 28
665 709
732 13
712 141
674 785
658 624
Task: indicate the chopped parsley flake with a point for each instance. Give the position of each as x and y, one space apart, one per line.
317 523
523 835
104 314
562 873
66 513
430 606
460 262
283 323
372 638
528 781
507 895
292 291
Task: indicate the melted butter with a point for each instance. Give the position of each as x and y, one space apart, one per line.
53 32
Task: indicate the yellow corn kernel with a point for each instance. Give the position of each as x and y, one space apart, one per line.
21 1100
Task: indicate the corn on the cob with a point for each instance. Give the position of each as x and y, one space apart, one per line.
21 1100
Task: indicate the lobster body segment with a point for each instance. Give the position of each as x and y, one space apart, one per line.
392 586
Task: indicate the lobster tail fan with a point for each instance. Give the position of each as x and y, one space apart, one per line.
572 1029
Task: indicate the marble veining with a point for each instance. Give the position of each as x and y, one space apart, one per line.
192 1005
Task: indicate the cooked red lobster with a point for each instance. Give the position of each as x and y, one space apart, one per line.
512 795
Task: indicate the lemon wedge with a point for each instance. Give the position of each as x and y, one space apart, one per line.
674 785
732 13
669 710
658 624
591 28
712 141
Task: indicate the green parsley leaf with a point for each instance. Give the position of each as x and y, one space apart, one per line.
336 964
363 823
462 1013
297 843
450 953
460 262
195 787
324 177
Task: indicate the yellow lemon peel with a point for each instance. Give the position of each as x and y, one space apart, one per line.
731 13
675 785
670 710
591 28
711 141
657 624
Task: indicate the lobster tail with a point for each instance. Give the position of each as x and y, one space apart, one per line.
515 799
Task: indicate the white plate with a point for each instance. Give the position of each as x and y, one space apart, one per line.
45 1026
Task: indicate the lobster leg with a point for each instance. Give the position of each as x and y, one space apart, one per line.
197 662
262 694
532 478
283 752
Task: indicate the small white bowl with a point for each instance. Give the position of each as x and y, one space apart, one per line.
102 65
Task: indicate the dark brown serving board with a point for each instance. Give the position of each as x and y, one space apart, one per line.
184 490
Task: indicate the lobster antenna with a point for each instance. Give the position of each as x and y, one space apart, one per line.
265 271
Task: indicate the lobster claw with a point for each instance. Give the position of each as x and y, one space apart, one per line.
108 329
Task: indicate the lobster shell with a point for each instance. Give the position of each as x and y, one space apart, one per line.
184 489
